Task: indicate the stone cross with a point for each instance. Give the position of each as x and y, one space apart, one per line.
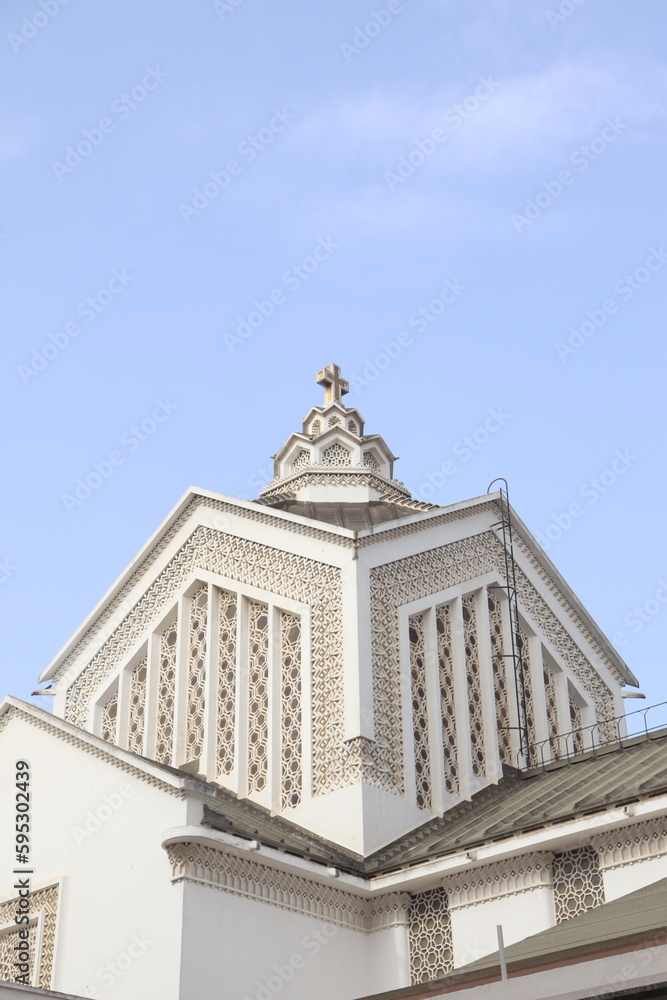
334 386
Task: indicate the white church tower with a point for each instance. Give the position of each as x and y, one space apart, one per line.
327 705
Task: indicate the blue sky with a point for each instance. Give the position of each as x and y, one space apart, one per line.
462 202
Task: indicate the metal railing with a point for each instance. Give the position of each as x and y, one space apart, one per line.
587 740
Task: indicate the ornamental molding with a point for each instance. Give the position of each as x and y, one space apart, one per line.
318 475
60 728
509 878
241 877
632 844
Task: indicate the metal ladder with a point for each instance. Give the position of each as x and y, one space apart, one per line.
516 654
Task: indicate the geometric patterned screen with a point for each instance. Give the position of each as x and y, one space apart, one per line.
217 662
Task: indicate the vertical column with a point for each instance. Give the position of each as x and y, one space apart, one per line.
274 705
464 751
124 695
181 681
242 696
209 758
494 770
152 689
437 769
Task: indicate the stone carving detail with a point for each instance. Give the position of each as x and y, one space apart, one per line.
632 844
197 673
137 721
430 936
508 878
110 719
290 666
475 711
336 454
371 461
552 713
576 723
499 665
244 877
258 696
577 882
44 904
301 460
226 737
524 647
420 711
164 745
443 627
308 581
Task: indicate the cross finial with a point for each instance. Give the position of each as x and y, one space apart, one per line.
335 387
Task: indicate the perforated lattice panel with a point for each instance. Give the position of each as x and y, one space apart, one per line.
43 902
552 713
475 711
371 462
577 881
291 750
524 648
137 720
301 460
194 741
337 455
577 738
420 711
110 719
164 743
228 615
258 695
443 627
499 664
430 936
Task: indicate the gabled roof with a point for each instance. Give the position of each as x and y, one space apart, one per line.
336 529
521 802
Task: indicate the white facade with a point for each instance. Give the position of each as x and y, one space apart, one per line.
351 681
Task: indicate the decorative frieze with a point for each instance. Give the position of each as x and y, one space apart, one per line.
632 844
254 880
491 882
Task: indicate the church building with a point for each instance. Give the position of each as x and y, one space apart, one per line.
322 744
